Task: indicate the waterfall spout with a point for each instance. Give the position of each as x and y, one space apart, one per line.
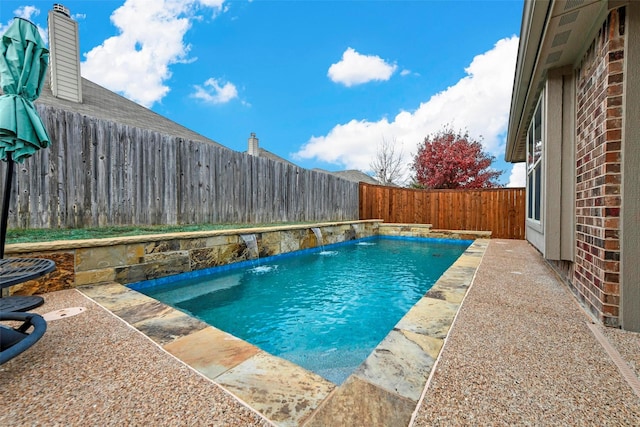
352 234
252 245
318 233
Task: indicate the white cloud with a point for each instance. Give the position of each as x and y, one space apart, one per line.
355 69
27 12
215 4
151 38
479 102
518 177
215 92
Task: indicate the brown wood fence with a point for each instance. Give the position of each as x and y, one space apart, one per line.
499 210
99 173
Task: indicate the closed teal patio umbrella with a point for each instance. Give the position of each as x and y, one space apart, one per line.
23 66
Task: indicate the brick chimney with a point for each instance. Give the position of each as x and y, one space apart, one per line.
64 62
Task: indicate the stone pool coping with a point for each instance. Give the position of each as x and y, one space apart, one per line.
384 390
20 248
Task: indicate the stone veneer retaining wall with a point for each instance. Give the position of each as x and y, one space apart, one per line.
136 258
595 273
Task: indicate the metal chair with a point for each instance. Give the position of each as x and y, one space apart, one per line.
18 270
14 341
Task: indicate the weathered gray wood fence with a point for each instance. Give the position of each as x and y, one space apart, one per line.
99 173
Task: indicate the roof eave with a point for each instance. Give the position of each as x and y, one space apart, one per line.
554 34
534 18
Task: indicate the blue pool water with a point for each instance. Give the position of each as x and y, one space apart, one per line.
324 310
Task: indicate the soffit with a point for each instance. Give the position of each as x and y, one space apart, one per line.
555 34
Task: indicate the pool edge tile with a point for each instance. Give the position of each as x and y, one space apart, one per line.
360 403
211 351
158 321
280 390
170 326
113 295
401 363
430 316
134 313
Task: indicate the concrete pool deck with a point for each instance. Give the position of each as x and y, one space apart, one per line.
521 351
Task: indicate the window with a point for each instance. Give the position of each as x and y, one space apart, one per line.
534 164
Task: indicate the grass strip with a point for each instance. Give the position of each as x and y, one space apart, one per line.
48 235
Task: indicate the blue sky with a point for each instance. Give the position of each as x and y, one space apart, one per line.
321 83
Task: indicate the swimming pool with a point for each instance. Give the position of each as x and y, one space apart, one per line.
324 309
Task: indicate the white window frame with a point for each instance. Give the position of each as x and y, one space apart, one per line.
535 167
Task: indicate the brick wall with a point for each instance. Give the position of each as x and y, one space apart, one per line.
598 175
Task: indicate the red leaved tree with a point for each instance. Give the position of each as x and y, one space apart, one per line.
450 159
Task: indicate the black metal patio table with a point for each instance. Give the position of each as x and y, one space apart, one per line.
17 270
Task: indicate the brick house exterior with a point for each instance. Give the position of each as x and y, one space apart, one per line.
574 120
598 157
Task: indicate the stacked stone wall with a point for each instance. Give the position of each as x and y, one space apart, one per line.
138 258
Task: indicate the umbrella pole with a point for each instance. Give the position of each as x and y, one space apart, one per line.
5 204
